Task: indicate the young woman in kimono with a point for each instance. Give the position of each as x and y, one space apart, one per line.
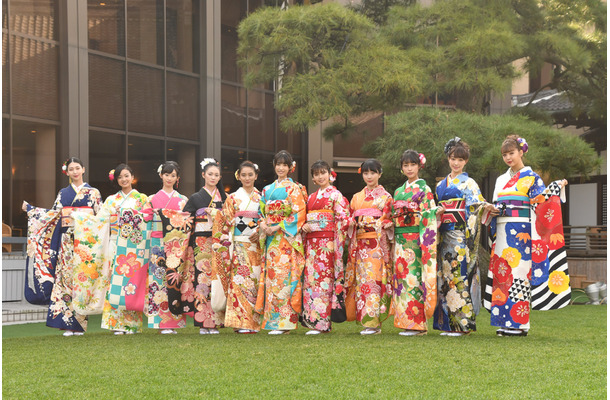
325 231
77 196
460 207
369 269
523 240
198 275
167 198
282 212
122 321
414 214
236 227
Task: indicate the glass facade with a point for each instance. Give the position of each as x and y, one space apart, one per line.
140 94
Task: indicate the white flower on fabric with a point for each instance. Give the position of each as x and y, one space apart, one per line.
513 232
538 273
454 300
495 311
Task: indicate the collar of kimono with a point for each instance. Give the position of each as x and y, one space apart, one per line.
126 195
78 188
412 184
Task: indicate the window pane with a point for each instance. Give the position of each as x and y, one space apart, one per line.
34 18
369 126
5 77
144 157
182 106
229 162
106 92
261 121
231 13
106 151
106 23
35 78
265 164
186 155
182 34
145 30
4 14
233 116
289 141
145 108
35 168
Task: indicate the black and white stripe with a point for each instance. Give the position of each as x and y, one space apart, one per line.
542 297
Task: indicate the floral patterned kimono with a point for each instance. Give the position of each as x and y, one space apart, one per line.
414 214
113 318
61 313
459 288
279 297
528 267
238 258
328 217
156 306
369 269
197 270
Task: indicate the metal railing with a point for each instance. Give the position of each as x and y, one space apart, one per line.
586 241
18 245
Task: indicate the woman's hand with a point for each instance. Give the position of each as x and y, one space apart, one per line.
493 210
306 228
387 225
254 238
440 211
24 206
563 183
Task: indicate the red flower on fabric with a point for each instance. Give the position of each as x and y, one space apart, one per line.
401 268
512 180
501 270
540 250
415 311
365 289
499 296
425 256
127 264
294 318
520 312
549 224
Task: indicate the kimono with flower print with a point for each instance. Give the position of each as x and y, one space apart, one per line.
157 306
368 271
323 280
197 270
42 247
92 264
61 312
414 278
237 257
528 267
279 297
113 318
459 292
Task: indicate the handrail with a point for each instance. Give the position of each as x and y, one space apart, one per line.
586 241
23 241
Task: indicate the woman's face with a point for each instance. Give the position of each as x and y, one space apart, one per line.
125 179
211 176
169 178
75 171
457 164
371 178
321 177
513 157
281 170
410 170
247 176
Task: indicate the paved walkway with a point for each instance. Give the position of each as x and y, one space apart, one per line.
22 312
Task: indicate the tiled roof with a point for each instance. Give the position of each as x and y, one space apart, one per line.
546 100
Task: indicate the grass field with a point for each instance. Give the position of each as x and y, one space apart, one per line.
563 357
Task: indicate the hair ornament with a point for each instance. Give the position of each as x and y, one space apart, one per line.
237 175
111 175
422 160
522 144
359 170
64 168
333 176
160 169
450 144
256 168
207 161
293 166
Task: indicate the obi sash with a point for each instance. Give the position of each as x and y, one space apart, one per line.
277 211
511 205
203 224
66 215
406 216
245 223
322 223
367 222
455 211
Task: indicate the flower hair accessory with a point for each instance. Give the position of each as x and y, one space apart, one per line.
333 176
111 175
450 144
359 170
237 175
160 169
64 168
256 168
207 161
293 166
422 160
522 144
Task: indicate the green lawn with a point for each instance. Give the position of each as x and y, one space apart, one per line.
564 357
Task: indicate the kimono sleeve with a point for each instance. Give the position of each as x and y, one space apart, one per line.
293 223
